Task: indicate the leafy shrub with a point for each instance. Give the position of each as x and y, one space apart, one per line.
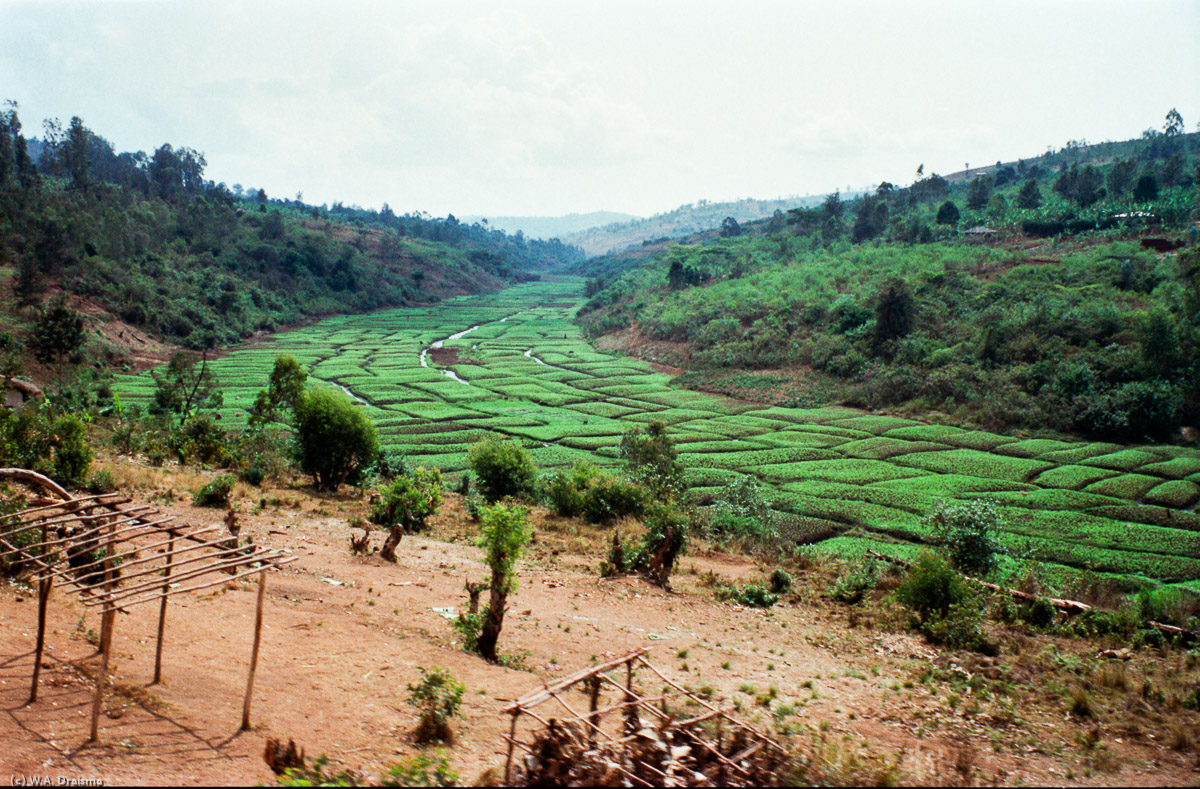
652 460
852 585
931 586
1039 613
254 475
969 530
960 627
101 481
780 581
216 492
502 469
421 770
741 511
199 440
437 697
474 504
390 465
752 595
607 499
404 506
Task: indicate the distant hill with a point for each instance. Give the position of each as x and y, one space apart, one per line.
551 226
690 218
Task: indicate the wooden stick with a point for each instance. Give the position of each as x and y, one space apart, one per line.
68 502
579 717
44 586
199 587
61 575
162 612
26 475
85 514
90 533
703 703
512 739
106 627
258 615
220 564
538 696
134 549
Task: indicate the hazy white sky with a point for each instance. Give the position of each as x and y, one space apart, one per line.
551 107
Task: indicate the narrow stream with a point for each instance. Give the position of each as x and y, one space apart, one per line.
441 343
352 395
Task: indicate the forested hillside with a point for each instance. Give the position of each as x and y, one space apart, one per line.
1058 292
150 240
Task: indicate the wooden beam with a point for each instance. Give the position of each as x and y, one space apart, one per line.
258 617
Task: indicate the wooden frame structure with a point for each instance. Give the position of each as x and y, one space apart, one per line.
113 557
638 740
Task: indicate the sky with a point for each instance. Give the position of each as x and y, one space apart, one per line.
569 106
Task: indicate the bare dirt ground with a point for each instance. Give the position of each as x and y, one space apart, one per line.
345 635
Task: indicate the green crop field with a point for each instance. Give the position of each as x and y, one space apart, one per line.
524 370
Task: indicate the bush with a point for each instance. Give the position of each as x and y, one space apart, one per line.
652 460
215 493
421 770
607 499
254 475
960 627
931 586
199 440
969 531
502 469
437 697
1039 613
741 512
752 595
101 481
780 582
335 442
405 505
852 585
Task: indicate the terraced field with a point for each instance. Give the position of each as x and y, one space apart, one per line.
518 366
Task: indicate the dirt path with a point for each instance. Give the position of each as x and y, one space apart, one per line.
345 635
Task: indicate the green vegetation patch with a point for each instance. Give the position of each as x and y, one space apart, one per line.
1080 452
880 448
876 425
1175 468
856 471
1125 486
1124 460
954 486
1072 477
1033 447
972 462
1177 493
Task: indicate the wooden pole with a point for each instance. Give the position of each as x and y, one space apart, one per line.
44 587
162 610
258 614
512 738
106 628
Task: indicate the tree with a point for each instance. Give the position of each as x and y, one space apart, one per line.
970 532
75 154
730 227
58 332
652 460
979 192
1030 195
871 218
1083 186
947 214
186 384
285 389
1120 177
503 468
1173 127
894 309
1146 188
405 505
505 532
335 442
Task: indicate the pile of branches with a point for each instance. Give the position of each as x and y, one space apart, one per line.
673 753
